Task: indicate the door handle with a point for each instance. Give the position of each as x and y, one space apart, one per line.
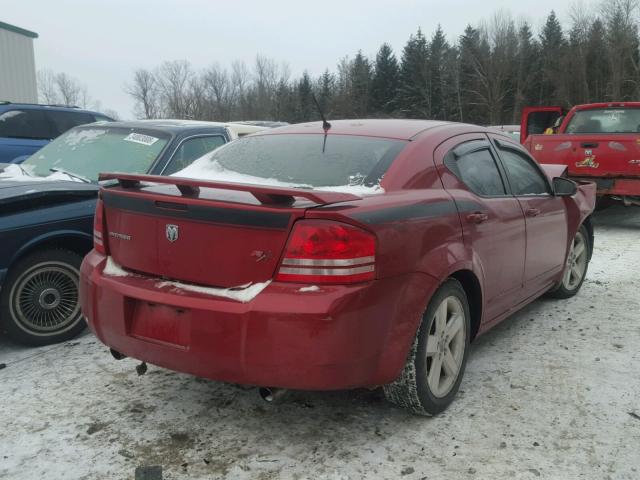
589 144
532 212
477 217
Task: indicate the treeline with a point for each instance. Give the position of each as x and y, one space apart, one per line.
491 71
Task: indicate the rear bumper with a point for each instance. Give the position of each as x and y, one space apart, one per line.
615 186
334 338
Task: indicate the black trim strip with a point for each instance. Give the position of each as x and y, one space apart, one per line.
230 216
415 211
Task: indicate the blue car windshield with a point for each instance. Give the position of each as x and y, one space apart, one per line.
88 151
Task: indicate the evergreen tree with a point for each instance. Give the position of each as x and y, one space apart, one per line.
414 93
361 75
597 69
384 84
528 70
326 87
470 104
305 106
437 75
552 44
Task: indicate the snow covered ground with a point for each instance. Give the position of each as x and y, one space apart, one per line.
552 393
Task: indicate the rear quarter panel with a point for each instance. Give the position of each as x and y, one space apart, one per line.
420 244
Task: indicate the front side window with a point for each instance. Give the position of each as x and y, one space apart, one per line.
477 169
192 149
299 160
87 151
605 120
30 124
524 177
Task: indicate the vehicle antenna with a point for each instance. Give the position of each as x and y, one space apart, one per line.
325 125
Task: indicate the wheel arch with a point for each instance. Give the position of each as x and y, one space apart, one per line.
78 242
588 224
471 285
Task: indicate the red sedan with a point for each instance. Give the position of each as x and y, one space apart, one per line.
358 254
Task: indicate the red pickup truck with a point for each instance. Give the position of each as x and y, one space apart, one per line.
599 142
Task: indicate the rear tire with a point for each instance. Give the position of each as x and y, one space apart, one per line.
39 302
576 267
438 356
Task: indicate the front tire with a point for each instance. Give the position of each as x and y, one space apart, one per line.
576 267
437 359
39 302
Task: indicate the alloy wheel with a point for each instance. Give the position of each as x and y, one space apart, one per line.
576 262
446 346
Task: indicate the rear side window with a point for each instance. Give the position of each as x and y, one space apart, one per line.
300 160
31 124
190 150
477 169
524 177
63 121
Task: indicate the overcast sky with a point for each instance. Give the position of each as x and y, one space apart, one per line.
102 43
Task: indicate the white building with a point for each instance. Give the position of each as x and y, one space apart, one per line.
17 65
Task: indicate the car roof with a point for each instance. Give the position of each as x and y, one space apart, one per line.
386 128
4 105
177 125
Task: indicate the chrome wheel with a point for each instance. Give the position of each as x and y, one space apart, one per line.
577 261
44 298
446 344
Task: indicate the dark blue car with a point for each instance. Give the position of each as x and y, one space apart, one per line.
25 128
46 213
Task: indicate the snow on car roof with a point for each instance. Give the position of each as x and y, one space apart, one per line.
237 129
384 128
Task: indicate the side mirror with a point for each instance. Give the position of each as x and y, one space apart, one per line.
563 187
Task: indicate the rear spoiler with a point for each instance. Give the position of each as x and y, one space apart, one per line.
263 193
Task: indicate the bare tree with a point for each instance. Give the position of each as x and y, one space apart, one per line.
240 84
173 79
219 91
47 88
71 91
144 91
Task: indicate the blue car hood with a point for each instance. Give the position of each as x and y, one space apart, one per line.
54 191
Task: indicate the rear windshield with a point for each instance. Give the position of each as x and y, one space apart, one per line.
300 160
605 120
87 151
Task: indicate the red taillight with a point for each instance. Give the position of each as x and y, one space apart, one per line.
99 232
323 251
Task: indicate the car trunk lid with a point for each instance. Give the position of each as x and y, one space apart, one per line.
217 234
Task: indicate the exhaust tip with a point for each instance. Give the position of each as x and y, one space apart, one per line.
271 395
116 354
